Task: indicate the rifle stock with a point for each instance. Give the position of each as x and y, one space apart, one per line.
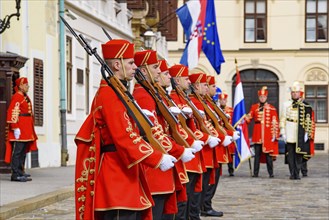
195 111
127 99
181 116
209 112
220 113
169 117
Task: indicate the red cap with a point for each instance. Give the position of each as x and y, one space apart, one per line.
163 65
211 80
263 91
198 78
178 70
118 48
222 96
146 57
21 81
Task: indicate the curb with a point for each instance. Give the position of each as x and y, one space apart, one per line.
27 205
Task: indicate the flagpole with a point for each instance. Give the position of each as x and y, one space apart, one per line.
250 167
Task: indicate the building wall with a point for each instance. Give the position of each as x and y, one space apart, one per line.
90 17
35 35
286 54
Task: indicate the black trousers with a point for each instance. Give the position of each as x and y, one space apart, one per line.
294 160
157 209
18 158
206 203
230 166
118 214
304 167
269 160
193 198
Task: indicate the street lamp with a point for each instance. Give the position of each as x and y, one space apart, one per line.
5 23
149 37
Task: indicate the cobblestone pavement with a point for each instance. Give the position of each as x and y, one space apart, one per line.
244 197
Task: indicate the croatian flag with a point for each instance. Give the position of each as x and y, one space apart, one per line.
192 17
242 150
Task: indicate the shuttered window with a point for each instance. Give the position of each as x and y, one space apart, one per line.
38 91
168 19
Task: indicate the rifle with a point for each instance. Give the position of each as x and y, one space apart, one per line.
209 112
181 117
195 110
127 99
170 118
220 113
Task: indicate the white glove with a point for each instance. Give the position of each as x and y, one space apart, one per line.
188 154
236 135
306 137
202 113
228 116
213 141
197 145
273 139
167 162
148 113
187 111
227 140
284 138
17 133
174 110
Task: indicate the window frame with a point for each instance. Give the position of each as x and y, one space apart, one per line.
316 15
69 66
315 99
255 16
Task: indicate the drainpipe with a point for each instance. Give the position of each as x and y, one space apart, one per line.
64 154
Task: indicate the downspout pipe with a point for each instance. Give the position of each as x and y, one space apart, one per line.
64 153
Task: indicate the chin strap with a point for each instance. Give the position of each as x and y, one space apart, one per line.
149 73
124 69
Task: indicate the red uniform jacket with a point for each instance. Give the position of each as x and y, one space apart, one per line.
110 154
209 154
20 115
197 164
161 182
231 148
266 127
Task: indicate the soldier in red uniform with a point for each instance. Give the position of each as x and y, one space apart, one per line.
195 167
110 182
265 132
165 83
222 98
206 199
213 157
21 135
162 184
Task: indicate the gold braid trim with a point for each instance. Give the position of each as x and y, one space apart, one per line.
15 113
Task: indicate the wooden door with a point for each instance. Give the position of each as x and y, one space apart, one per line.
253 80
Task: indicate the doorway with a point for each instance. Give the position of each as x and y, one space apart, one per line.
253 80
